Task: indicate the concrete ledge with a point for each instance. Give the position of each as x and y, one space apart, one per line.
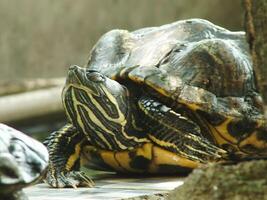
30 104
108 188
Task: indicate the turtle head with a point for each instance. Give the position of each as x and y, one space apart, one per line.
92 100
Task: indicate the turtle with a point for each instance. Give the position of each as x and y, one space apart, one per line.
23 162
159 100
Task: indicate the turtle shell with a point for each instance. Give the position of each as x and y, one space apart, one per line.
192 62
23 160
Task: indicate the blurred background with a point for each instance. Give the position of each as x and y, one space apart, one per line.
40 39
43 38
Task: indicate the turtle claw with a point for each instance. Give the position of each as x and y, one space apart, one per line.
79 178
72 179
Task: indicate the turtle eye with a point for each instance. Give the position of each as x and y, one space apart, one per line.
95 76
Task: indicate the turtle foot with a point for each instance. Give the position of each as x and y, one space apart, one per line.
72 179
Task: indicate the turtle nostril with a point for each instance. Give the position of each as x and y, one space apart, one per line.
95 76
73 67
91 70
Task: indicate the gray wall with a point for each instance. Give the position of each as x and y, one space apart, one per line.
41 38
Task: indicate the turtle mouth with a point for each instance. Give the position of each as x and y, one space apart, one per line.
75 75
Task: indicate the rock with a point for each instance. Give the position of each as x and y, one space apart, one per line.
150 197
244 181
23 162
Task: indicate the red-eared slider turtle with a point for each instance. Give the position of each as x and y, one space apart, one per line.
159 100
23 162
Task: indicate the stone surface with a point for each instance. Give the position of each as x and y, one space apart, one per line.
244 181
110 188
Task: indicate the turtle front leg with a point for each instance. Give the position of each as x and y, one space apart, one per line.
64 147
177 133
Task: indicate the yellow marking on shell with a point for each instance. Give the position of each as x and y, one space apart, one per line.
74 157
109 158
221 139
164 157
192 106
136 79
163 143
169 84
121 160
159 89
124 160
254 141
113 76
216 136
223 131
221 136
145 151
123 72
